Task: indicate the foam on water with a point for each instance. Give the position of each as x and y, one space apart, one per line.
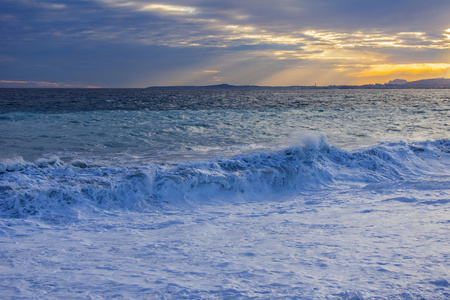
103 199
135 137
51 187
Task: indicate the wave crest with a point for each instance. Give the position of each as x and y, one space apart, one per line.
50 188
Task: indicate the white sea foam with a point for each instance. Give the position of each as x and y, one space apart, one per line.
229 204
303 222
50 184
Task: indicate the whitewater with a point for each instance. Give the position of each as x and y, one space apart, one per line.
224 194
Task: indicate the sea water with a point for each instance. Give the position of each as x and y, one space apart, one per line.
224 194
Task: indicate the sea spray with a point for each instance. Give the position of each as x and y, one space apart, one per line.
52 185
214 194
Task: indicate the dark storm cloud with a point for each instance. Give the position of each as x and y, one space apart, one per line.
126 20
332 14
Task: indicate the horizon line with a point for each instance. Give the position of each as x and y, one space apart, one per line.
405 83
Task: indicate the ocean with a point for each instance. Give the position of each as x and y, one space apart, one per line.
250 193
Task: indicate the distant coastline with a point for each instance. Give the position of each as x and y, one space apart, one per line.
435 83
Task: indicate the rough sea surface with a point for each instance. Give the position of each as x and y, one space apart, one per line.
224 194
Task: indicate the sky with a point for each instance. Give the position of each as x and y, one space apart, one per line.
133 44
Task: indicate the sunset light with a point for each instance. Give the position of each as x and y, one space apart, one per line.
413 69
165 43
168 8
232 149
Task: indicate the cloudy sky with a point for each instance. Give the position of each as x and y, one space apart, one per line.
140 43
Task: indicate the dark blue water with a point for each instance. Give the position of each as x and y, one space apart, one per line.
73 100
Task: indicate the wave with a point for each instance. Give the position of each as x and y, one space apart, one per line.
51 188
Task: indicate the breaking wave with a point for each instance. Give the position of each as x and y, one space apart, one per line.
51 188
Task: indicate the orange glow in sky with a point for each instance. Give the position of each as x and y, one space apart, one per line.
139 43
